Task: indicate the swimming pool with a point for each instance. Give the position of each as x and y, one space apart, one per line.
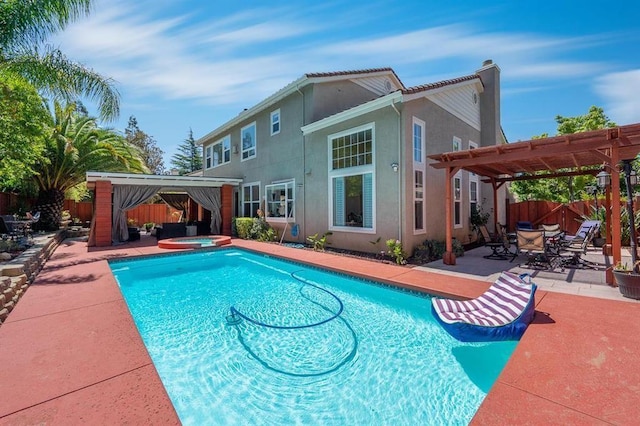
382 360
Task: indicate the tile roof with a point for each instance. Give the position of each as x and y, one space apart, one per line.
438 84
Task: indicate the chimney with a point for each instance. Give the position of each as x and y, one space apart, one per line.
490 126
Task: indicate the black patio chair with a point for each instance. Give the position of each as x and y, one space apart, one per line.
577 248
499 243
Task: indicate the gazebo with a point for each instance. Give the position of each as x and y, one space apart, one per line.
114 193
566 155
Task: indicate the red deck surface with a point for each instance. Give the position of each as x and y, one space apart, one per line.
70 352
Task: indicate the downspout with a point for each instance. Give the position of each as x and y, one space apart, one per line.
400 170
304 172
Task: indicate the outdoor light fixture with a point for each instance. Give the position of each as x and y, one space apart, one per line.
631 180
394 166
603 178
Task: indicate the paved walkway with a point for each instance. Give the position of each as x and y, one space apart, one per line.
70 352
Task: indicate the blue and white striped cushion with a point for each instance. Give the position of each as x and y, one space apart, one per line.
501 304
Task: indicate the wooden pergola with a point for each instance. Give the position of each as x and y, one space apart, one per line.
579 153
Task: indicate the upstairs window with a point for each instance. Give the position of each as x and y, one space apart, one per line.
418 140
208 157
248 137
275 122
221 151
355 149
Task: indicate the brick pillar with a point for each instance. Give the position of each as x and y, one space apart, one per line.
226 194
103 213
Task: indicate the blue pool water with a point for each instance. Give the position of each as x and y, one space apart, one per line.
382 360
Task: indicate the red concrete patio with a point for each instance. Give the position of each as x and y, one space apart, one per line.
70 352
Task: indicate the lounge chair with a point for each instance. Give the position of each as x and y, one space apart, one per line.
577 247
503 312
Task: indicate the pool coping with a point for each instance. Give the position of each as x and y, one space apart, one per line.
71 352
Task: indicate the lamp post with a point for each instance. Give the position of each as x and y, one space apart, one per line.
631 180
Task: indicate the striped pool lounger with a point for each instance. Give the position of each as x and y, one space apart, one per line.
503 312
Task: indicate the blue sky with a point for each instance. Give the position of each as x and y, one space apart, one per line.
187 64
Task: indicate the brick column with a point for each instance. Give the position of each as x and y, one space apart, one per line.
226 195
103 213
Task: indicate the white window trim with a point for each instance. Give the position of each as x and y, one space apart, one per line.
255 146
220 142
208 155
473 145
474 178
242 202
271 121
453 188
422 125
352 171
456 144
289 219
419 166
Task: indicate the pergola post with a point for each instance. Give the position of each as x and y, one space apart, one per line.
448 258
226 197
616 234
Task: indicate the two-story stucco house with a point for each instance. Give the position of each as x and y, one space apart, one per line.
346 152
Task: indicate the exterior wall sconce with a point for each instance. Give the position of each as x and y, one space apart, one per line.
394 166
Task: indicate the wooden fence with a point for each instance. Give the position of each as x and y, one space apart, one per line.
569 216
144 213
156 213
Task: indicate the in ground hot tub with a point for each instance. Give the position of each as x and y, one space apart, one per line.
194 242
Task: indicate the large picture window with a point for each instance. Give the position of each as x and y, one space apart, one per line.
221 151
351 180
352 150
280 201
250 199
248 138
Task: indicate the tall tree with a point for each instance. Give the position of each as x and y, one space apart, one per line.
151 154
74 145
23 115
25 27
569 188
188 159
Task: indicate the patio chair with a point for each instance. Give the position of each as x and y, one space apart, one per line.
503 312
524 224
578 248
6 229
498 244
585 228
532 242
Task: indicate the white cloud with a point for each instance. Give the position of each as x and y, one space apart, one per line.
230 58
620 91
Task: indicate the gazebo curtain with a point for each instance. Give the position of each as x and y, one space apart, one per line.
126 197
177 201
209 198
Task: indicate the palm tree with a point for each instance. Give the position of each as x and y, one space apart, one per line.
25 27
73 146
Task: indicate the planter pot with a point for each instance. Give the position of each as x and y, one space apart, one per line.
599 242
628 283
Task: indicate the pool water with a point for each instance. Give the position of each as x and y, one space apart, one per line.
383 360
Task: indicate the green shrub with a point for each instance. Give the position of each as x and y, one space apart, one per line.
243 227
396 252
431 250
318 243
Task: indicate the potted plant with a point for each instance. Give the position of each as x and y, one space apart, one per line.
628 280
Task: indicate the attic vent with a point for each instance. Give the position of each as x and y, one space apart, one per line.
387 86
